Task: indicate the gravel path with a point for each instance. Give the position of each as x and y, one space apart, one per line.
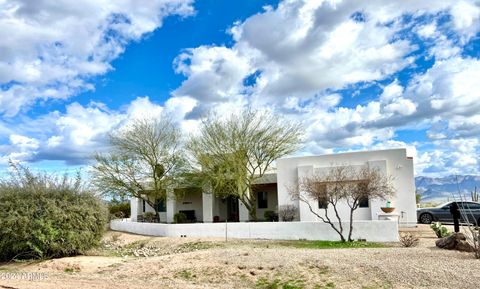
261 264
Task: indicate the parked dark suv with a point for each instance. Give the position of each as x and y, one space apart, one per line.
442 213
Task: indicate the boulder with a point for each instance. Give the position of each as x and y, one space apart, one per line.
464 246
456 241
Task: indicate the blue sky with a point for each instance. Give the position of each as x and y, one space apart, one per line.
358 75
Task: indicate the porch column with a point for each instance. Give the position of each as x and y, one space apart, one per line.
243 215
171 205
207 207
134 209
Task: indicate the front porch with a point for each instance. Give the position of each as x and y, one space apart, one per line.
198 206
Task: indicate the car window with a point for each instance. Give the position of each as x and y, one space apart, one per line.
444 205
471 206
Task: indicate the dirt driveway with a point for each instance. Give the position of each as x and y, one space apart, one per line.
132 261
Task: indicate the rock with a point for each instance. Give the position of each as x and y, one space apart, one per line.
456 241
464 246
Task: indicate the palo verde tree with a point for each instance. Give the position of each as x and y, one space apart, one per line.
232 153
341 186
145 158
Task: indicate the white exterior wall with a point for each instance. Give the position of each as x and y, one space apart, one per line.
207 207
192 200
393 162
171 205
243 214
373 231
134 208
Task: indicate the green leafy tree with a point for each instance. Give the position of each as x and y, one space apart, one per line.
232 154
144 159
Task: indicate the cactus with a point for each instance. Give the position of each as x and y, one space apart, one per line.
474 195
440 230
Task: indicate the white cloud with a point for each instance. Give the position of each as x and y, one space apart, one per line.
289 58
451 86
50 50
21 147
292 59
449 157
75 135
466 18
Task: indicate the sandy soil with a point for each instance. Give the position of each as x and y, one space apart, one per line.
212 263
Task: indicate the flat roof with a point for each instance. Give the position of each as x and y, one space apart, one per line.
346 153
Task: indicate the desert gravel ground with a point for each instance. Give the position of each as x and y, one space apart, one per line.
212 263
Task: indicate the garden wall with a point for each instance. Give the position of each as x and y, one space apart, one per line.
374 231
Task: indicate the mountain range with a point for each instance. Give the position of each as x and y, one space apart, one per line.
446 188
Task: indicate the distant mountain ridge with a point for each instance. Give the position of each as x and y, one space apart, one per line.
443 189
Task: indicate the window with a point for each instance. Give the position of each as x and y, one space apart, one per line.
471 206
160 206
322 204
322 196
363 202
262 200
143 206
362 193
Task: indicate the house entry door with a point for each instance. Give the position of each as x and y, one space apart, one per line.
232 209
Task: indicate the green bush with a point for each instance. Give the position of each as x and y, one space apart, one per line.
440 230
180 218
119 210
150 217
270 216
45 217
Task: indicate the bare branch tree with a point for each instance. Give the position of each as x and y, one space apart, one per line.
231 154
341 185
145 159
472 225
287 213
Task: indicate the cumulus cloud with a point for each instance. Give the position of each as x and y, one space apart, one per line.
297 57
355 73
75 135
52 49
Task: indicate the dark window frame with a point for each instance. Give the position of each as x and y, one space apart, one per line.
161 206
262 200
322 204
364 202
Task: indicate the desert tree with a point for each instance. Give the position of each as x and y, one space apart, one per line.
287 213
471 227
144 159
339 186
232 153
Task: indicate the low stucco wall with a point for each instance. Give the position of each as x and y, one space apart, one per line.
374 231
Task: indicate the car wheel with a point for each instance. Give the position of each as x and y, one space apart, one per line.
426 218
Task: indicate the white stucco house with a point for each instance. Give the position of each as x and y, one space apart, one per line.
272 192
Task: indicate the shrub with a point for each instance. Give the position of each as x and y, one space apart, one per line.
150 217
408 240
270 216
180 218
43 216
440 230
287 213
119 210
